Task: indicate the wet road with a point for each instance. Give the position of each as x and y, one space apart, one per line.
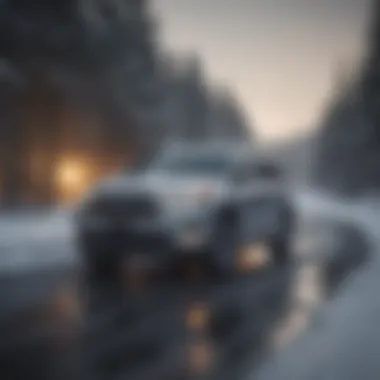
50 241
344 340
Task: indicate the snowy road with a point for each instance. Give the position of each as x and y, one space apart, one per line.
36 250
346 327
344 341
35 240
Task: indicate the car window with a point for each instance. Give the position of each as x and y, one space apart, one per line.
193 163
250 171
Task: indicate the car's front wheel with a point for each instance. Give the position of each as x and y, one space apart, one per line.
100 264
281 250
282 242
226 243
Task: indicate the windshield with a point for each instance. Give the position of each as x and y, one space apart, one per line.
195 163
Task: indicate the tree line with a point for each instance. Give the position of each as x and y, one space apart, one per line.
88 76
348 145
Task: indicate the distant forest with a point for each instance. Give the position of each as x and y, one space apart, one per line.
87 78
348 146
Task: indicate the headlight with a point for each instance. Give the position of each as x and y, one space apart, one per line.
198 317
254 257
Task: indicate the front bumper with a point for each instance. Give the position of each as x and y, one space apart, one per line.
162 241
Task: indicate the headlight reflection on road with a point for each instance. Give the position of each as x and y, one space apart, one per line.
63 315
200 357
66 306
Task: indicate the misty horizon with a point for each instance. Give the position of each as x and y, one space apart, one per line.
281 58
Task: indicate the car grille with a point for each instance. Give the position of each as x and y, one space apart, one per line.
134 208
146 243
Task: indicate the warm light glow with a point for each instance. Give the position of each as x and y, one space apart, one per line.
253 257
72 178
198 317
70 174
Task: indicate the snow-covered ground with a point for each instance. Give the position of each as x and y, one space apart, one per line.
40 238
344 340
29 240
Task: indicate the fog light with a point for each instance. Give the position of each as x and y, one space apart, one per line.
198 317
254 257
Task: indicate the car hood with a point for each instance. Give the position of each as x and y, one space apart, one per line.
160 183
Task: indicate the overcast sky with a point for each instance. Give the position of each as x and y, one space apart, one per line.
280 56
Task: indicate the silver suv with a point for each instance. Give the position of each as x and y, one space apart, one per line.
216 201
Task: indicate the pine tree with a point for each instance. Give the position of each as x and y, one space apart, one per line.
95 57
195 110
349 142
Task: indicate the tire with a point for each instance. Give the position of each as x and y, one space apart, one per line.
100 280
101 270
281 244
100 266
281 250
223 254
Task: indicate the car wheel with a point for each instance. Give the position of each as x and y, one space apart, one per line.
100 280
223 255
100 268
281 250
281 243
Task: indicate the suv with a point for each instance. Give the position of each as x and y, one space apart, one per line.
217 201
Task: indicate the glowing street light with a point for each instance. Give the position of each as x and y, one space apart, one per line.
71 177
